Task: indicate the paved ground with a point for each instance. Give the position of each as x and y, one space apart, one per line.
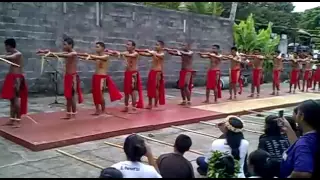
16 161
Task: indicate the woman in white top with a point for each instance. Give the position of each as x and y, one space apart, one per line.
233 143
134 148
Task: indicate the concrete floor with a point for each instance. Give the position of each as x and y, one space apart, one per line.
18 162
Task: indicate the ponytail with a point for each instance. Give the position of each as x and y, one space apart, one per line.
234 141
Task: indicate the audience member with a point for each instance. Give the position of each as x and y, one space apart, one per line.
174 165
134 148
234 142
294 125
301 160
111 173
261 165
273 141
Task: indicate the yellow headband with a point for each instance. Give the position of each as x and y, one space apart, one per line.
230 127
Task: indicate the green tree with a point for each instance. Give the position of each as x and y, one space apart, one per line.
247 39
310 19
209 8
166 5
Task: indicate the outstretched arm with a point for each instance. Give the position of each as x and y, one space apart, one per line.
65 54
11 57
173 52
189 53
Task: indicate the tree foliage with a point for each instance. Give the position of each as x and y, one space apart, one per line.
247 38
209 8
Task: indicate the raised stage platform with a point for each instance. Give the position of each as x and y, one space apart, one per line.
47 130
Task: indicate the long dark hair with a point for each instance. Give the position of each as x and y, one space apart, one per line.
310 110
234 138
271 126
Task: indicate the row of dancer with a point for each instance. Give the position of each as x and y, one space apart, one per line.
15 88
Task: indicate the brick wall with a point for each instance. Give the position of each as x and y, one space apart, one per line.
43 24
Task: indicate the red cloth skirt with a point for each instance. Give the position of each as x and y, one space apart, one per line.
152 86
182 78
69 86
213 80
276 76
256 77
9 90
128 86
97 90
294 77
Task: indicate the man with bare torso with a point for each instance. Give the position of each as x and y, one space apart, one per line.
186 72
295 70
155 85
307 74
316 76
101 79
71 78
234 71
277 69
257 63
213 74
14 87
132 81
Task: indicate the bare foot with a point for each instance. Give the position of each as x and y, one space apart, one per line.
189 103
230 98
183 103
289 92
278 93
258 95
294 92
68 116
273 93
149 107
134 111
206 102
252 95
235 97
10 122
126 109
17 124
96 113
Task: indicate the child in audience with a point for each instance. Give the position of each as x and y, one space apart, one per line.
261 164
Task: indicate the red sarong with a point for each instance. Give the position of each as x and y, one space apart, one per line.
182 78
317 75
9 90
235 78
69 86
294 77
256 77
97 90
128 86
307 76
212 76
152 86
276 77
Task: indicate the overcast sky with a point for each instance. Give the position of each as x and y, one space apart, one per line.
302 6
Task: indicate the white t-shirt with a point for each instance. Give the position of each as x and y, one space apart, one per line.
221 145
136 170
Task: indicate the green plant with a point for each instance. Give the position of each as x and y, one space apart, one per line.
247 39
208 8
220 173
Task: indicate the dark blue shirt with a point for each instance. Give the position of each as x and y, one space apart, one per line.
299 156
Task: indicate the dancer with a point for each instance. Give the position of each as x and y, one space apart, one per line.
186 72
256 60
14 86
316 76
234 72
277 69
155 85
101 77
132 81
307 75
295 69
213 74
71 78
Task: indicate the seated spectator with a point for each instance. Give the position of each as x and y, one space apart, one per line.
111 173
134 148
174 165
274 141
301 160
261 165
234 143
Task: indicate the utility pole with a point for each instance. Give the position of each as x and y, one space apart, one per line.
233 11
